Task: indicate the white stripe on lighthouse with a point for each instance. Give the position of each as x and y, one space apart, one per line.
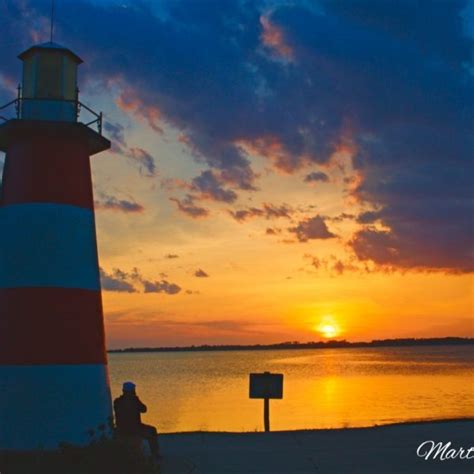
44 405
48 245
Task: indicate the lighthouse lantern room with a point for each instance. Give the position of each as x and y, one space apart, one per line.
49 85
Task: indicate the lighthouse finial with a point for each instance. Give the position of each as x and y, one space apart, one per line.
52 22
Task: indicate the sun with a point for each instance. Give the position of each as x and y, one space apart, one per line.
328 328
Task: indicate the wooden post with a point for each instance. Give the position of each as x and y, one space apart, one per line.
266 414
266 385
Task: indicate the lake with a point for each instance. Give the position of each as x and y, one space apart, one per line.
328 388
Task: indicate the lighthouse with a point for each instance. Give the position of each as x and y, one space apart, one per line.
54 385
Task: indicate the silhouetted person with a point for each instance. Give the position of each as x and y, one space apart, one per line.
128 409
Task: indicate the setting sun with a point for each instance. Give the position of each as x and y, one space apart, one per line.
328 328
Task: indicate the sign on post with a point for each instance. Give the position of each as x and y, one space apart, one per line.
266 386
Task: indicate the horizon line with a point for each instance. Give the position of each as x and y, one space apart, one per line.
332 344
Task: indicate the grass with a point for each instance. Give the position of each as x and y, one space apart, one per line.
102 457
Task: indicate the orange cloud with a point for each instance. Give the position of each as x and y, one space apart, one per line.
129 102
273 37
271 147
343 154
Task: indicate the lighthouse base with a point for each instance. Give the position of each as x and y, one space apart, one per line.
44 406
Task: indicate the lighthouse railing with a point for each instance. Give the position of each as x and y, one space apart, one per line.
20 104
9 104
97 116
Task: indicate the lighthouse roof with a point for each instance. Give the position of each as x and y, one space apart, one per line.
50 46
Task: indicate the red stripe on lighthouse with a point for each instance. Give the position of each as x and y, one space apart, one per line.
39 168
51 326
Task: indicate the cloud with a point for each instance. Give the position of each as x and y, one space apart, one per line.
116 134
192 292
139 156
162 286
405 248
155 286
145 161
116 281
129 101
341 217
312 228
368 217
273 37
121 281
200 273
316 176
244 214
272 231
187 206
268 211
392 78
271 211
209 188
337 266
272 147
111 203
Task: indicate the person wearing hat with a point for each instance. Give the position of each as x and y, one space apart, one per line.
128 409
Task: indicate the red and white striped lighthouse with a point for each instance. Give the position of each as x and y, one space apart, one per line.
53 368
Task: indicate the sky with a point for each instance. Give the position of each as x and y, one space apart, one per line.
280 170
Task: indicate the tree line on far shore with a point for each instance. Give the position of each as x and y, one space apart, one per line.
333 344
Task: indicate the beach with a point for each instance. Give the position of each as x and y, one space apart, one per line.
390 449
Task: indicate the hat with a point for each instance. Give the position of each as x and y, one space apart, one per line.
128 387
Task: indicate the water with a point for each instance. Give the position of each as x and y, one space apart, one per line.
208 391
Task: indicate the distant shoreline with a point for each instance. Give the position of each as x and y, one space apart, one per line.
407 342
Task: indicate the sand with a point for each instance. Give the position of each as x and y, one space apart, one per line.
379 450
